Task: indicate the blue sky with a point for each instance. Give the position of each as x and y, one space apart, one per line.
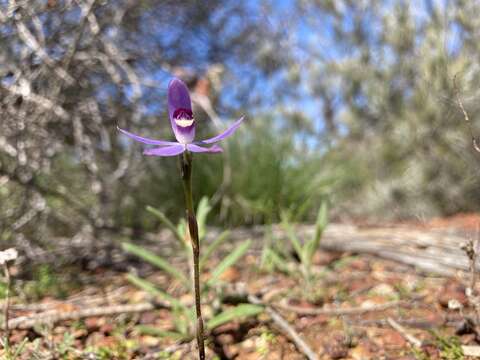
245 88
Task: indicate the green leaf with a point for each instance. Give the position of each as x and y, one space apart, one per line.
161 216
212 247
203 209
320 225
229 260
20 348
297 246
237 312
150 330
153 290
277 261
180 319
156 261
182 229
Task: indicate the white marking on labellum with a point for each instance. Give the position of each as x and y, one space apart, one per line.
184 122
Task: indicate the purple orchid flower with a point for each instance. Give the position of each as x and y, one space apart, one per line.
183 126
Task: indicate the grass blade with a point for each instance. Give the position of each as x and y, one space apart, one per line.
156 261
277 261
229 260
297 246
153 290
161 216
212 247
203 209
320 225
239 311
150 330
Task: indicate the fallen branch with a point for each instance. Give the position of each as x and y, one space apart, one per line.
77 301
423 324
286 327
345 311
55 316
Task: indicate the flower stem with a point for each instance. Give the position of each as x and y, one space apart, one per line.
186 171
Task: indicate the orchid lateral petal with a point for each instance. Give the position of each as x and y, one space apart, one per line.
146 140
200 149
166 150
225 134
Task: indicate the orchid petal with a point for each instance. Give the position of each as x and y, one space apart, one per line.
146 140
178 97
180 111
199 149
166 151
225 134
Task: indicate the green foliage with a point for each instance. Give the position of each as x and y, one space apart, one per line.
3 290
267 339
47 282
156 261
153 290
276 173
229 261
202 212
273 258
154 331
450 347
15 352
66 345
235 313
406 151
276 256
176 232
183 316
212 247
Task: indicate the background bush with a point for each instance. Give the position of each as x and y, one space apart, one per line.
348 99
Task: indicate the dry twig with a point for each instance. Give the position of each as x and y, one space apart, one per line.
55 316
409 337
286 327
346 311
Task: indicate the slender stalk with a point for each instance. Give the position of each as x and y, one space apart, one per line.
186 172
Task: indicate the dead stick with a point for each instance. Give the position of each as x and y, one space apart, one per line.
346 311
286 327
54 316
409 337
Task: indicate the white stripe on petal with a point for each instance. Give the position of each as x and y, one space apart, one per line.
184 122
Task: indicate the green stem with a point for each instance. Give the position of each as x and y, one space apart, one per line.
186 171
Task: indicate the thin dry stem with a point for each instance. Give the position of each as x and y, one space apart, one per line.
286 328
406 335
